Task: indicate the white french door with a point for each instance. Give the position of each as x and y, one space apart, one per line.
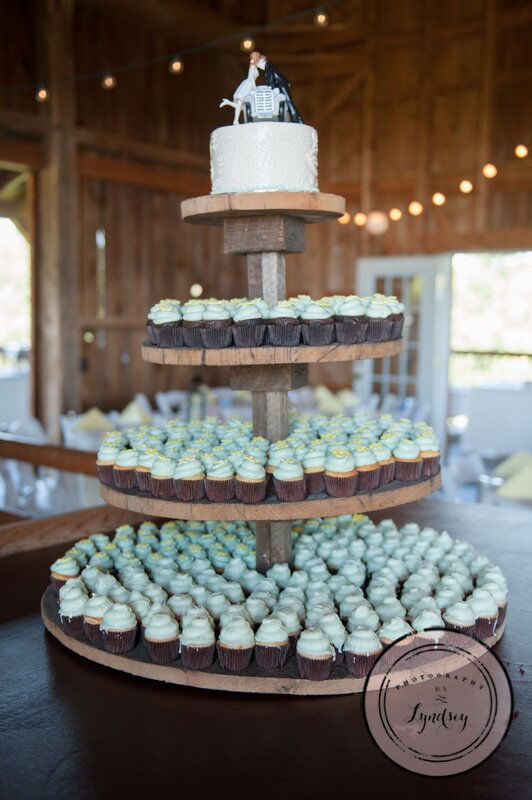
418 374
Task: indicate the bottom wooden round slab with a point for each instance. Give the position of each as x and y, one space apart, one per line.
284 681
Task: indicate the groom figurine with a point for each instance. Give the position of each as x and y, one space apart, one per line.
276 80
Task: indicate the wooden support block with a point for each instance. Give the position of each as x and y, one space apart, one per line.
269 378
273 544
270 415
266 276
278 233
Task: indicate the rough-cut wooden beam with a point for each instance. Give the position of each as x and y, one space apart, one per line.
486 108
19 155
121 170
338 99
22 122
44 455
124 147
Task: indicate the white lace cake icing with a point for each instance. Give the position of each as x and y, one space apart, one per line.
264 157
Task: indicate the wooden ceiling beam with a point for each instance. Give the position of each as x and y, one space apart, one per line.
124 147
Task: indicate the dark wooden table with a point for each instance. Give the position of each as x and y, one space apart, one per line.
72 729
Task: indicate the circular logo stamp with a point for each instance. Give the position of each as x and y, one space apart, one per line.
438 703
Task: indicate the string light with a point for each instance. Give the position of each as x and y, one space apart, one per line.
378 223
360 219
42 95
247 44
415 208
466 187
345 218
108 82
521 151
489 170
395 214
438 198
176 66
321 19
196 290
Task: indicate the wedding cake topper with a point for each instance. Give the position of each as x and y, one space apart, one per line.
270 102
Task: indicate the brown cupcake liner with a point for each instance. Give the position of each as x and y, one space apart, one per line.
216 334
408 470
105 473
502 613
163 652
197 657
486 626
319 333
270 485
315 482
163 488
379 330
469 630
369 479
119 641
73 626
285 332
56 583
92 632
170 334
249 333
272 656
290 491
387 473
397 325
125 478
192 334
359 665
235 659
220 491
143 480
314 669
249 491
150 332
393 654
351 331
431 466
189 490
341 487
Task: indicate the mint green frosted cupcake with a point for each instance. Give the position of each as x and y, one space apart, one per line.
317 324
289 480
250 481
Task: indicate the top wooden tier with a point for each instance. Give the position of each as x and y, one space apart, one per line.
213 209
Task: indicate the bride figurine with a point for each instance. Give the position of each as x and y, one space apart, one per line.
242 90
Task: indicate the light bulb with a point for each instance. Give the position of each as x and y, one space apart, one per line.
176 66
415 208
377 223
395 214
345 218
196 290
521 151
321 19
489 170
438 198
108 82
247 44
42 95
360 219
466 187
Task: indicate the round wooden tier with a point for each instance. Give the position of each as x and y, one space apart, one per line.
272 510
240 356
212 209
284 681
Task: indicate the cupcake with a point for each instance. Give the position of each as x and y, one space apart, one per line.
408 462
350 321
460 617
93 612
314 470
235 645
486 613
393 630
427 619
500 594
291 623
216 331
62 570
397 316
257 610
161 477
429 450
340 473
386 461
197 644
284 325
192 324
145 462
165 327
362 648
105 462
289 480
248 326
333 628
363 617
220 482
250 481
71 608
119 629
271 644
317 324
280 574
378 313
189 479
161 636
368 469
315 655
124 475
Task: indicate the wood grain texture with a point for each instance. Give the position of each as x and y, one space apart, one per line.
272 510
267 378
239 356
276 233
270 415
136 663
45 455
308 206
